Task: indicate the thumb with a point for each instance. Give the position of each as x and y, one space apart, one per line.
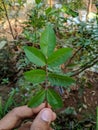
43 120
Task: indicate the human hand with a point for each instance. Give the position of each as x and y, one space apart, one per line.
42 121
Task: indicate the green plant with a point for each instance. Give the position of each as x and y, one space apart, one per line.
46 58
37 19
83 39
97 120
71 122
69 111
5 81
5 107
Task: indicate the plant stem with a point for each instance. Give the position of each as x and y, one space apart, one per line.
50 3
46 102
97 120
46 87
8 19
86 66
75 53
88 8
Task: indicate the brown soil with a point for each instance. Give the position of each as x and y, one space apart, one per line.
84 100
84 104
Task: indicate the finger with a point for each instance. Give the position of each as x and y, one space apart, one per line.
26 126
25 111
51 128
40 107
13 118
37 109
43 120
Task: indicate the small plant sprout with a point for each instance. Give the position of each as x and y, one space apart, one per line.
46 57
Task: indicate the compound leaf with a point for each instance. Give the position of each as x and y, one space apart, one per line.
35 56
35 76
48 41
59 56
54 99
60 80
37 99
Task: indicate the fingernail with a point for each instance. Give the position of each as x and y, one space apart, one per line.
46 116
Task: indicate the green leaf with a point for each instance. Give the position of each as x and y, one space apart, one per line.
1 108
35 76
37 99
38 1
97 120
60 80
69 111
54 99
35 56
59 56
48 10
20 1
9 102
2 44
69 11
48 41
